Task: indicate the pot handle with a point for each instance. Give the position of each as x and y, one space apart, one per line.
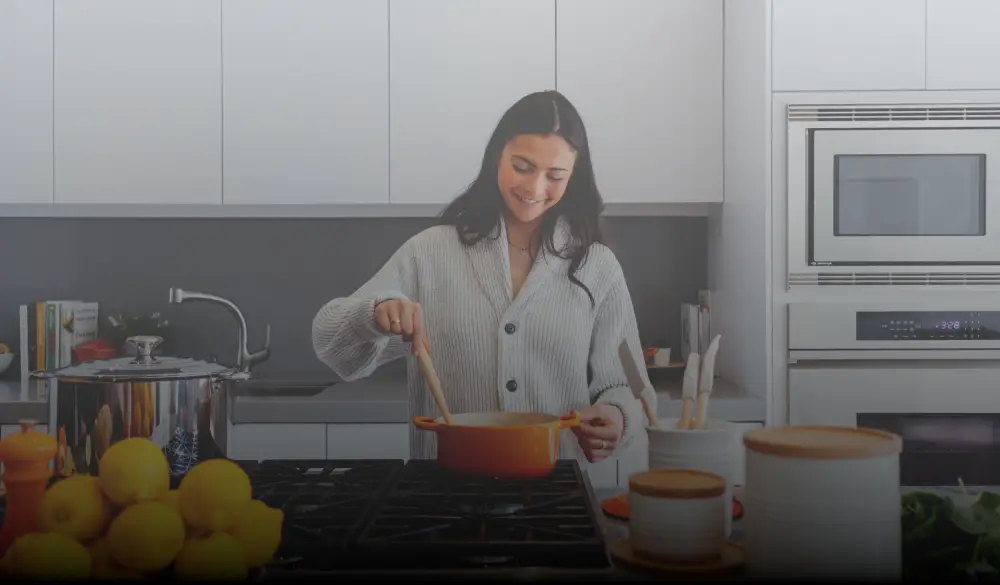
569 420
426 423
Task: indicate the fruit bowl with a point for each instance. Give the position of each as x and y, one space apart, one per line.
6 359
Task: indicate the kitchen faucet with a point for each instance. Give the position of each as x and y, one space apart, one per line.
244 359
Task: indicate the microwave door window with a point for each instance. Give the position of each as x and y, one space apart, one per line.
909 195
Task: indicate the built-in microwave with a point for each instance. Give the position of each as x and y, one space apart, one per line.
909 192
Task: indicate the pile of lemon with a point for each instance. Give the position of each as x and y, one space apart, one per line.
128 523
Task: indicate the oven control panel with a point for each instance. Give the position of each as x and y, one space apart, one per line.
927 325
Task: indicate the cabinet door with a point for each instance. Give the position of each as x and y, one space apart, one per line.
635 460
306 101
829 45
138 94
740 471
368 441
455 67
25 101
963 47
646 75
259 442
603 474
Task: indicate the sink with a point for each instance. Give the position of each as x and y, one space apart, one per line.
278 388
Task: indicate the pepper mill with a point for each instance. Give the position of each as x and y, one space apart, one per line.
26 456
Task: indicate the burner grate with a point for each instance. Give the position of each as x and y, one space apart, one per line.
436 518
326 503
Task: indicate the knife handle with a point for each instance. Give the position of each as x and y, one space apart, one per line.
701 411
687 404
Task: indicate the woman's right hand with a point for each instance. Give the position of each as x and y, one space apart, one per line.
404 318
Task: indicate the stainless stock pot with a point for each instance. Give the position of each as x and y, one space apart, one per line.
177 402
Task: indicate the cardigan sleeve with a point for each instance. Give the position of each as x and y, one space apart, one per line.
616 321
345 335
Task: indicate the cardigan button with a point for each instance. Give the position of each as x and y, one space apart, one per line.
510 328
511 386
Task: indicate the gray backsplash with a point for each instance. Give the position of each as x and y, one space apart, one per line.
280 271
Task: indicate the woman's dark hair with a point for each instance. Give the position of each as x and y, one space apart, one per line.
476 213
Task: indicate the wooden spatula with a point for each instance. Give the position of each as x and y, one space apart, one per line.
690 390
427 367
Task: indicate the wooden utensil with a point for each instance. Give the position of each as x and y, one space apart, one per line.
427 367
635 380
707 380
691 373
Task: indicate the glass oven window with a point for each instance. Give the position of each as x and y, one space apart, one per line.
939 449
910 195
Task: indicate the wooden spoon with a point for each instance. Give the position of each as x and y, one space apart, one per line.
427 367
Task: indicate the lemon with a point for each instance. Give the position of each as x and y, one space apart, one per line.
173 499
99 553
102 566
146 537
259 532
134 470
49 556
217 557
75 507
214 495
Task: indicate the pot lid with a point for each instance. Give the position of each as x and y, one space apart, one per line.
142 367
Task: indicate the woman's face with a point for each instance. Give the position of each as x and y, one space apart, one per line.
533 173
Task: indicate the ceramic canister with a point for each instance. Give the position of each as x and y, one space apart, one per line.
822 502
714 448
677 515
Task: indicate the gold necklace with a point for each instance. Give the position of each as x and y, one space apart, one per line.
525 251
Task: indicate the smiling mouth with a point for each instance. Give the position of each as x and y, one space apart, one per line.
529 201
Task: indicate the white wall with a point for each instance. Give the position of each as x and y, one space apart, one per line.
738 244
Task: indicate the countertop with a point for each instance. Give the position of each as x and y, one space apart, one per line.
382 398
379 398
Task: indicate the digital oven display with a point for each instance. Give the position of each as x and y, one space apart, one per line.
927 325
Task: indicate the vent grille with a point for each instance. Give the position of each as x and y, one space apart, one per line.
925 279
893 112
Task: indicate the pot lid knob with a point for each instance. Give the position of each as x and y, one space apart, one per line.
144 345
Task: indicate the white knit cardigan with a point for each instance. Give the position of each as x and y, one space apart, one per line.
493 352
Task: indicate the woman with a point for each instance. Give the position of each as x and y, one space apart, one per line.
523 305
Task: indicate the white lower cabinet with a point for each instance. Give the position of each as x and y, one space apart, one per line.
603 474
368 441
260 441
635 460
739 474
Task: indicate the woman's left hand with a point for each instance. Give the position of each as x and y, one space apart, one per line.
599 430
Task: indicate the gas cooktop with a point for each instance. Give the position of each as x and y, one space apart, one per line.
361 515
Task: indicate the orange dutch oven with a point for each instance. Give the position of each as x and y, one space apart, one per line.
499 444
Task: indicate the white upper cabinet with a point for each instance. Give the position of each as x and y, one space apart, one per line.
455 66
138 101
831 45
306 101
646 76
963 44
25 101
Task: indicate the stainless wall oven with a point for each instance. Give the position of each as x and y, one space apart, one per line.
928 371
904 191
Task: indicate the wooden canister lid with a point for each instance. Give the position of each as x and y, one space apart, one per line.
823 442
677 483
